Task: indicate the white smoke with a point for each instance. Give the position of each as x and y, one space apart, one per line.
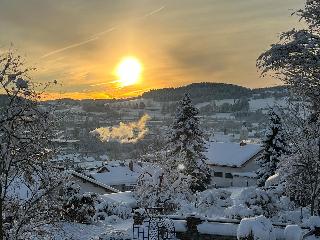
124 133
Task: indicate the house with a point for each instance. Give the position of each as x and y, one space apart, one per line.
233 164
88 184
119 175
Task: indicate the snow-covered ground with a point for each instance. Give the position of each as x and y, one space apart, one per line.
77 231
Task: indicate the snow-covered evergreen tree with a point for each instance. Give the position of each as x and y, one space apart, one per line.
274 146
187 145
295 61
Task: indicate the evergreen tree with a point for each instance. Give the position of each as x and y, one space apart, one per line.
274 147
294 60
187 144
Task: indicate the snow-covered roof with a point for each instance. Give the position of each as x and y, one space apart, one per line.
118 174
101 184
231 154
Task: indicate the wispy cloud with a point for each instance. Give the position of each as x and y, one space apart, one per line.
154 12
96 36
93 38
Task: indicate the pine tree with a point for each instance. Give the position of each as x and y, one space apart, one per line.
187 145
274 146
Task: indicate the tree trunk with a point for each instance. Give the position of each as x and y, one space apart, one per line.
1 217
312 207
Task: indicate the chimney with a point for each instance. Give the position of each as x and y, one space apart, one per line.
131 166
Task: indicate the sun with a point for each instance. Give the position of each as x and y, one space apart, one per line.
128 71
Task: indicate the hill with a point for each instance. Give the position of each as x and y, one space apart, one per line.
204 92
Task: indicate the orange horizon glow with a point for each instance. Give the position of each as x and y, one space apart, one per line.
91 95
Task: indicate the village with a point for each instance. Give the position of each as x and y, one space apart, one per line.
159 120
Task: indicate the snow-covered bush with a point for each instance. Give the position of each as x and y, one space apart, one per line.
80 208
207 203
155 188
260 201
293 216
69 189
313 222
273 180
151 189
239 212
186 208
214 198
293 232
211 202
257 228
108 208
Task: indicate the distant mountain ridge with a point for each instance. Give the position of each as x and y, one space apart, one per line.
204 92
199 92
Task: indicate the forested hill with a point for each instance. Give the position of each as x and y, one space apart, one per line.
203 92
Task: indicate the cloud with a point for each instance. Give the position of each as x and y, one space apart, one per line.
124 133
154 12
93 38
197 55
96 36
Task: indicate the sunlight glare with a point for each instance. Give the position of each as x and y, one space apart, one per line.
128 71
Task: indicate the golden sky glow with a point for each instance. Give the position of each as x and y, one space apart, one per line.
81 42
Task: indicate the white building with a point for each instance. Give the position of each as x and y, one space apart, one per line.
121 176
233 164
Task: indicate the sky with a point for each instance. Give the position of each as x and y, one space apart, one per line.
79 43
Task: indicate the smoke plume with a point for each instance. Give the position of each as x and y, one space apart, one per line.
124 133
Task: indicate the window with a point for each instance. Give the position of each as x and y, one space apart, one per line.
218 174
228 175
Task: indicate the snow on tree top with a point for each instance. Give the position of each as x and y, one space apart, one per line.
230 154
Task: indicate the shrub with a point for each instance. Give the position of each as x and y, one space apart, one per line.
260 201
107 208
238 212
257 228
80 208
